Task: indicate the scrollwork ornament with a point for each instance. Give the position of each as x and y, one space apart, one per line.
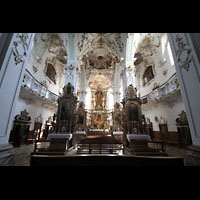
20 48
183 53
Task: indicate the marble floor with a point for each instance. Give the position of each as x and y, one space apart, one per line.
22 153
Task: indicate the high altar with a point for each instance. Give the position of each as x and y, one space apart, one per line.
99 116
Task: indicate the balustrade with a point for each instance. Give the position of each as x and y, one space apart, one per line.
38 88
163 91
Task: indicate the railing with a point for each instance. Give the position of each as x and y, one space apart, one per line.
150 148
162 91
38 88
99 148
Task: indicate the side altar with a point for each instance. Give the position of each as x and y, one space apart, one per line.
65 123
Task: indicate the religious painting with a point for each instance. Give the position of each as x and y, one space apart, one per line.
99 99
148 75
51 73
65 111
118 119
130 91
80 118
133 112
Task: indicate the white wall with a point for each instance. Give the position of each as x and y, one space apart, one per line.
162 61
10 80
163 54
40 49
34 110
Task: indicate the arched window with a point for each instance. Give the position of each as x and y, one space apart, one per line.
51 73
148 75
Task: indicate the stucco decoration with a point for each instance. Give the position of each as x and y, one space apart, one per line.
164 73
183 52
148 45
35 69
113 41
20 47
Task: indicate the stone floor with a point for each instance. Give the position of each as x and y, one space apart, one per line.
175 151
22 153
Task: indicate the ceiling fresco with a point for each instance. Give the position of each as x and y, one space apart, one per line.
99 53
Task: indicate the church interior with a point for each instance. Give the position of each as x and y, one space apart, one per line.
99 99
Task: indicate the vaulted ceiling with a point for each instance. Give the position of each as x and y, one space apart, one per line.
99 53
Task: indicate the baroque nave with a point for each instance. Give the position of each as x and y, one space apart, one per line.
108 99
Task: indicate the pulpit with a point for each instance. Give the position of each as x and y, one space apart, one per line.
183 130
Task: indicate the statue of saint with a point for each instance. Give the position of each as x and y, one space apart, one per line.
99 99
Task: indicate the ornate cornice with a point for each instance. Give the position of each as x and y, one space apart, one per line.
20 47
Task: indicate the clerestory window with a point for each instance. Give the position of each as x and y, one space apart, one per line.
51 73
148 75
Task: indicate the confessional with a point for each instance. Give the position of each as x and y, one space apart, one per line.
149 128
183 130
163 132
20 130
37 127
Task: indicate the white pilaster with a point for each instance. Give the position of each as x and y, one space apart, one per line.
71 74
83 85
11 75
188 71
12 72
